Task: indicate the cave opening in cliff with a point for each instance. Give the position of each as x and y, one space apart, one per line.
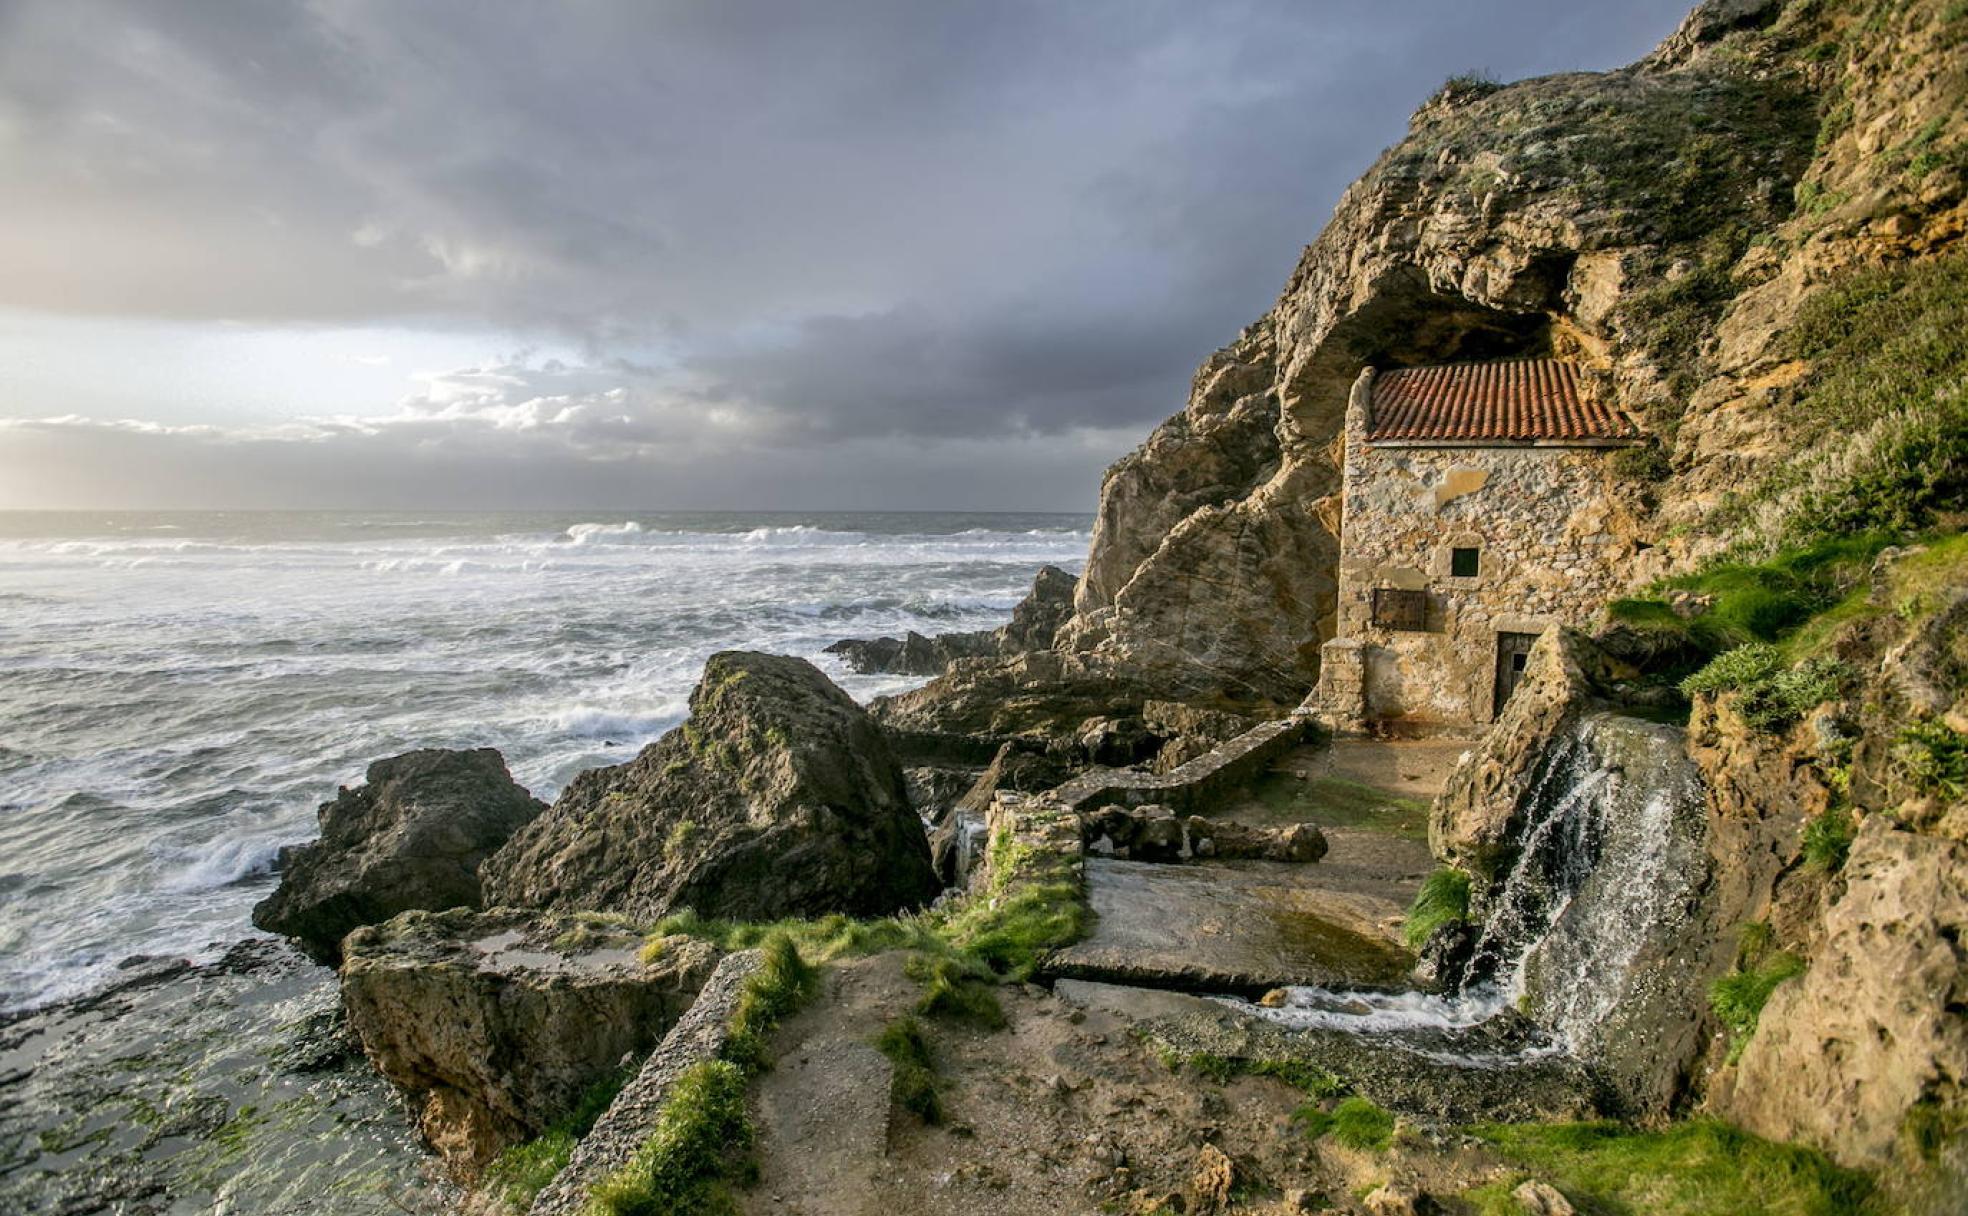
1409 324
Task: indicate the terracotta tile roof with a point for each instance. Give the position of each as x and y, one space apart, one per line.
1526 401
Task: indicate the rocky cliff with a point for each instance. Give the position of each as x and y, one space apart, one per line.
1702 230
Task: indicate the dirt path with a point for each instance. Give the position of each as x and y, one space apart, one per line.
1063 1111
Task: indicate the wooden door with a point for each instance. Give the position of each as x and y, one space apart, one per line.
1513 654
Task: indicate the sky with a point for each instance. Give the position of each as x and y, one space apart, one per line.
861 254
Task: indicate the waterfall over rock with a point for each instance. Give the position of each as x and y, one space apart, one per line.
1581 932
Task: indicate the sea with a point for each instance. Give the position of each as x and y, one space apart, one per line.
180 691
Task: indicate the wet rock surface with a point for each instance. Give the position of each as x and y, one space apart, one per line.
1232 927
233 1086
779 797
411 836
1033 623
494 1023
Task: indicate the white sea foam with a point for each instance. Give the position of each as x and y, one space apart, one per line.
177 703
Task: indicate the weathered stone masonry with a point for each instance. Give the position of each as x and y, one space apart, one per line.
1539 518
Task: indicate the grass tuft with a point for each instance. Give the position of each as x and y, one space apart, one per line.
1738 998
1828 839
701 1145
522 1171
1442 900
1771 693
913 1083
783 981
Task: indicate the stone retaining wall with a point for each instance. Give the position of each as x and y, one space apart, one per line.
699 1036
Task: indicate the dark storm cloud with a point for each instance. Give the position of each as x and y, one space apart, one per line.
853 219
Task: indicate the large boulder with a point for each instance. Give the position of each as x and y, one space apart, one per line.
779 797
411 836
495 1024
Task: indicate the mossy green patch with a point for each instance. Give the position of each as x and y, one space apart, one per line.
1355 1122
1698 1168
1770 691
1827 838
913 1069
701 1145
523 1170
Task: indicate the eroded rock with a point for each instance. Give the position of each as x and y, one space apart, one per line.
411 836
495 1023
779 797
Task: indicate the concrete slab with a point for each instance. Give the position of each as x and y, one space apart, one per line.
1240 926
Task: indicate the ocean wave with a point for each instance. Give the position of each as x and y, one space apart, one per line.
600 722
221 863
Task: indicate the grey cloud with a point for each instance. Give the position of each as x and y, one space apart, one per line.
856 219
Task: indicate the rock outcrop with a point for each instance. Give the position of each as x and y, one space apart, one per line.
1870 1040
779 797
1033 624
1481 810
411 836
496 1023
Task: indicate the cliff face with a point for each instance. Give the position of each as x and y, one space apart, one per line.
1667 225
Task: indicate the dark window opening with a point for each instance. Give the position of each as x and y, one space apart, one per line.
1397 609
1463 563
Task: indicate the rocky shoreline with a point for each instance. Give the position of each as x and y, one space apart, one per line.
1074 926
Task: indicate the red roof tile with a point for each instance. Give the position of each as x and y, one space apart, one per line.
1526 401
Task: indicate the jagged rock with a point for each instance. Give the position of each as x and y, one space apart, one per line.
1019 767
1036 620
934 790
495 1023
779 797
411 836
1848 1055
1033 623
1186 731
1043 696
913 654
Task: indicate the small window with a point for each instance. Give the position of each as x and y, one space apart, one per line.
1464 563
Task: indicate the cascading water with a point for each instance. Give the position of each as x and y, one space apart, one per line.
1579 934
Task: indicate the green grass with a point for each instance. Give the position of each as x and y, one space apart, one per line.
1033 906
1827 839
1307 1078
701 1146
913 1080
1442 900
1889 350
1699 1168
1738 998
520 1172
1355 1122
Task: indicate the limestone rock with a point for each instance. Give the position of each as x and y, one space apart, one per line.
1480 810
1043 696
411 836
495 1023
779 797
1876 1029
1211 1179
1542 1199
1037 618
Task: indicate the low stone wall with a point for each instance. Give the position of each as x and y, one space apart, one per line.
699 1036
1190 786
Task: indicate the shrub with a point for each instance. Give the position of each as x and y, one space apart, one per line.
1770 692
913 1079
1738 998
1828 839
1443 899
1933 758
